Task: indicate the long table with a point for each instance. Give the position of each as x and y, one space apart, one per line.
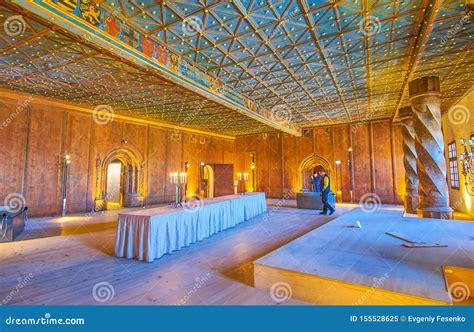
147 234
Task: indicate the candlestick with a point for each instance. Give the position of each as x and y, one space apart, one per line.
246 176
239 176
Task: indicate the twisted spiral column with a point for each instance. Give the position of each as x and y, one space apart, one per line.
429 146
409 160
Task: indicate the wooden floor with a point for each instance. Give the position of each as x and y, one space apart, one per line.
60 260
340 263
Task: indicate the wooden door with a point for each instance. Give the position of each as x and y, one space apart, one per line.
223 179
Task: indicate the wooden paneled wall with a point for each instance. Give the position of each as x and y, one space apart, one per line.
35 139
374 150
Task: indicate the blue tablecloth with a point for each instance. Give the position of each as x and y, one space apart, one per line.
152 233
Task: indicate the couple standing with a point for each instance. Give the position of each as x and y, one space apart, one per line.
322 183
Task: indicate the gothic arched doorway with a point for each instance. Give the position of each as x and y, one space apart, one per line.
127 165
114 189
307 168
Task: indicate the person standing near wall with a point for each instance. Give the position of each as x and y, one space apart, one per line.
316 180
326 189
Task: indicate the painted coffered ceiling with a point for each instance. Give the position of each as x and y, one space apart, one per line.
310 62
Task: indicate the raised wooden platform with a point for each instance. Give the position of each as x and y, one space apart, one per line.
339 263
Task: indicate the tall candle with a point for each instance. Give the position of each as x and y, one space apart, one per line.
239 176
246 176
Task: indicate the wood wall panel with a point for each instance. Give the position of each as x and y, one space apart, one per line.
77 147
136 136
275 165
304 146
43 161
361 158
217 150
341 153
107 136
290 167
323 144
241 145
228 151
382 150
398 163
262 163
193 154
156 165
173 161
13 135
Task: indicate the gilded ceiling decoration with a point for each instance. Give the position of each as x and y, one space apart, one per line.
298 63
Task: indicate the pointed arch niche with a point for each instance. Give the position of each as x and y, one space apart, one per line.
307 166
132 180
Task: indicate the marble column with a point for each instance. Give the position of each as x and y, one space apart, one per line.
429 145
405 116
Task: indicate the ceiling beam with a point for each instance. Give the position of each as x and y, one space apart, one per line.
425 21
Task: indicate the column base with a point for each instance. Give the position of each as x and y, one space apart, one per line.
435 213
411 204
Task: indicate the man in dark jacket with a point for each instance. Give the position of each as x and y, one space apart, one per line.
317 182
326 189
